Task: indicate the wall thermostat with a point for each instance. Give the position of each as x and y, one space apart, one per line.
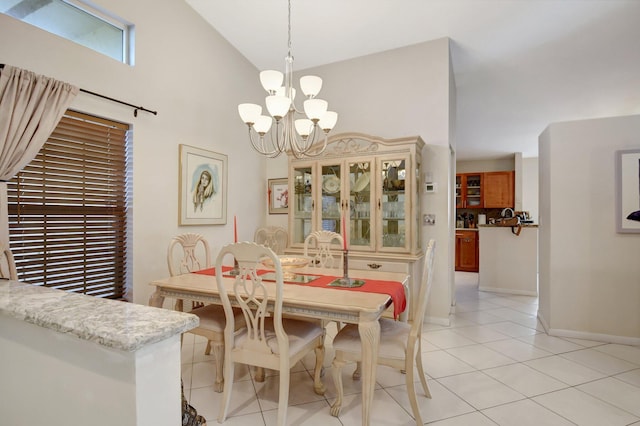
430 187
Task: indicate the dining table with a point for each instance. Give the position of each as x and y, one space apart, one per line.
359 305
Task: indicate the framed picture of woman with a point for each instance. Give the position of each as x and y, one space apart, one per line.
278 196
203 187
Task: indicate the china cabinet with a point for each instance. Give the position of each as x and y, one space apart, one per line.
367 189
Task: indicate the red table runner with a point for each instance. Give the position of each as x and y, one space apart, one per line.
394 289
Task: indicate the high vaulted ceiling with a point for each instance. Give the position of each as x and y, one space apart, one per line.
519 64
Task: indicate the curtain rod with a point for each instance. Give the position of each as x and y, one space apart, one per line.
135 108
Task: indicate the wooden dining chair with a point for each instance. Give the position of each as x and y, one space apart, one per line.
325 249
269 340
189 253
274 237
400 344
7 264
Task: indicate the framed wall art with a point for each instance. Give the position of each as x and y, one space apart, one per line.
203 187
278 196
628 191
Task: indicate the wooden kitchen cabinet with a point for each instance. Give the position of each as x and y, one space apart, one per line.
498 189
487 190
467 253
469 190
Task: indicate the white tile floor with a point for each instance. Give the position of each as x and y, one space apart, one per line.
493 366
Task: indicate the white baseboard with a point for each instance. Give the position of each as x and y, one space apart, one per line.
585 335
509 291
544 323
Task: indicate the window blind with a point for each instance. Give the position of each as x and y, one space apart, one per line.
69 209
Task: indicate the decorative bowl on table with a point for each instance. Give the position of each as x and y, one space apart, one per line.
288 263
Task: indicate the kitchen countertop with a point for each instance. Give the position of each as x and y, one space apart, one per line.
466 229
110 323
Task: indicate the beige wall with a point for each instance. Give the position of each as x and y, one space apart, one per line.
437 160
194 79
589 273
544 231
495 165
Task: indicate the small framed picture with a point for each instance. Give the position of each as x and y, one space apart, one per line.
628 191
203 187
278 196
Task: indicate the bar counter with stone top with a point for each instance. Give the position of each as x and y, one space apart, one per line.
111 323
74 359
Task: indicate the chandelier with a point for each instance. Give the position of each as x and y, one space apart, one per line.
301 136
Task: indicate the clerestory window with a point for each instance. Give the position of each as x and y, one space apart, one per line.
79 22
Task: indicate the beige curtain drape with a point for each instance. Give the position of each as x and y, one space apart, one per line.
31 106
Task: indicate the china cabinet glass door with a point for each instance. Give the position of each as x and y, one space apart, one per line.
332 201
394 209
303 203
361 213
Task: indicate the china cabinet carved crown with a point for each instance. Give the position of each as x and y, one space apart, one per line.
373 185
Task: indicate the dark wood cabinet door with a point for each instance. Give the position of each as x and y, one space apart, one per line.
498 189
467 251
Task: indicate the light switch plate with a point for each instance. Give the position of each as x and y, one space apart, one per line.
429 219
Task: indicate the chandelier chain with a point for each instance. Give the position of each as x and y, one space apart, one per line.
289 29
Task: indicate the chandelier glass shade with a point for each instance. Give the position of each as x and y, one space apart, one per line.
303 133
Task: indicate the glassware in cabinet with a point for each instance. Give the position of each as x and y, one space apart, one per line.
360 211
393 202
473 193
303 203
459 200
332 200
469 190
373 183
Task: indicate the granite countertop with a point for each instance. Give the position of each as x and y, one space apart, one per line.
114 324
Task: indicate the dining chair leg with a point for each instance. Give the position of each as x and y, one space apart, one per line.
226 392
283 397
259 377
318 386
207 350
218 353
423 377
337 365
411 386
